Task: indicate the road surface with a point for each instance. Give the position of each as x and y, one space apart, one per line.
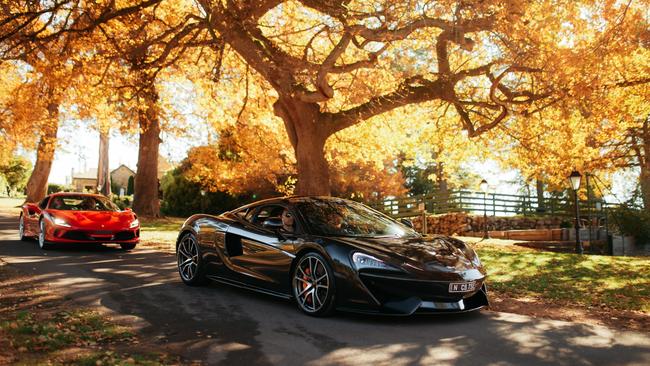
218 324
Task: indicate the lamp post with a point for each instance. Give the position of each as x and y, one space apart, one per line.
575 179
203 201
599 212
484 188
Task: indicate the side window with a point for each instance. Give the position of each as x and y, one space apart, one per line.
249 215
267 211
43 203
241 214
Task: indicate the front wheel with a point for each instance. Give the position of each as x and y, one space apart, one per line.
127 246
42 243
21 229
190 264
313 285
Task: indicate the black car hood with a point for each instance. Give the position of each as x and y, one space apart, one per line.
427 253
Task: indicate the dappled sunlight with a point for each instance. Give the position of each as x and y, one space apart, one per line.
383 354
620 283
229 325
132 273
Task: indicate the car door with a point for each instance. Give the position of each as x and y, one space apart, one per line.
34 214
261 256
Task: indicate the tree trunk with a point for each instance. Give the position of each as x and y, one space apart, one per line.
643 155
541 204
103 175
145 199
305 126
645 186
443 187
313 169
37 185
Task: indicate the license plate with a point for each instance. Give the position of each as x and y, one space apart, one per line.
462 287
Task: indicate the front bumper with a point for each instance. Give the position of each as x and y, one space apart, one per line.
406 296
73 235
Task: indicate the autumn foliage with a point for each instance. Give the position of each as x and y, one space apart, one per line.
325 95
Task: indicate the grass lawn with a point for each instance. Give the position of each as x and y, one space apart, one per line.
621 283
160 233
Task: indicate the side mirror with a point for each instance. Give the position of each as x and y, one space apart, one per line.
407 222
272 223
32 209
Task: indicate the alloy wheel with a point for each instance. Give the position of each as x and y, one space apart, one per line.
41 235
21 228
188 258
311 284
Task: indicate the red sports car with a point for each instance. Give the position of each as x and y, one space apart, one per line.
78 218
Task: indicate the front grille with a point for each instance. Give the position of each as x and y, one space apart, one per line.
124 235
76 235
103 235
389 289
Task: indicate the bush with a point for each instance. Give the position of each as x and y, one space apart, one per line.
15 174
4 186
183 198
633 222
54 188
122 202
130 186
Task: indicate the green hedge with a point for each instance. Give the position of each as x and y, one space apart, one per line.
632 221
183 198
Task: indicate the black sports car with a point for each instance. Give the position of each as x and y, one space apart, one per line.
329 253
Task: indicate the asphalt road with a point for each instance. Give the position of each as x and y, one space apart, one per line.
219 324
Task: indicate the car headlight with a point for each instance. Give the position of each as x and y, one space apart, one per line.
134 223
60 222
365 261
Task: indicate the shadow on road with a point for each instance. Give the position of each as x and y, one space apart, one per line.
220 324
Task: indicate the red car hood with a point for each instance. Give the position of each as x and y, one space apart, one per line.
95 220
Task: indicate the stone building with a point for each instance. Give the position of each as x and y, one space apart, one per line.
87 181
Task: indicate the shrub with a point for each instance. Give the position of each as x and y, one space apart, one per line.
130 186
4 186
633 222
122 202
54 188
183 198
15 173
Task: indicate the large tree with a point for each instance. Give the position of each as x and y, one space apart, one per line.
332 64
336 63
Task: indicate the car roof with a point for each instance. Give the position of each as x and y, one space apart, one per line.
59 194
289 199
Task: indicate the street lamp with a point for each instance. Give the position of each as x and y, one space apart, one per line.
484 187
575 179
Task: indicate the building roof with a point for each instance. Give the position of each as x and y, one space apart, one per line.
122 165
88 174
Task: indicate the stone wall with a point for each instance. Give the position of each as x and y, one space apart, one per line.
460 223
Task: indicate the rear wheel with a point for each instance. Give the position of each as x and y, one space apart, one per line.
21 229
190 264
313 285
127 246
42 243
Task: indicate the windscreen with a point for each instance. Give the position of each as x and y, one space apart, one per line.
348 218
82 203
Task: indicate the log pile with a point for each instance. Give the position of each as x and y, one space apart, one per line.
458 223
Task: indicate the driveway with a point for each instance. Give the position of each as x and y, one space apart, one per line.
219 324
